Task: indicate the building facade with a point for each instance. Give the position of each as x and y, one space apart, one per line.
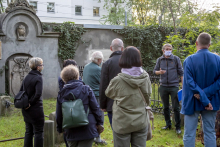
59 11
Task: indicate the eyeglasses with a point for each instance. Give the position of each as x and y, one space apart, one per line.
41 65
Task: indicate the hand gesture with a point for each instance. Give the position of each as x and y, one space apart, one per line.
197 96
100 128
209 107
104 110
28 107
162 71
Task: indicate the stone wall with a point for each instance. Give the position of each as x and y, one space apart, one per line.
32 43
21 38
99 38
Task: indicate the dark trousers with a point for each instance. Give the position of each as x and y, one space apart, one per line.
35 130
110 118
64 137
165 93
81 143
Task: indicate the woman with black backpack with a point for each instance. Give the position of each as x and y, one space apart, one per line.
34 114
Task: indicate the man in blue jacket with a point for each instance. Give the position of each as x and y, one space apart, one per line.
201 92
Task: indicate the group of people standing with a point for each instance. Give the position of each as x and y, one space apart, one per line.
118 87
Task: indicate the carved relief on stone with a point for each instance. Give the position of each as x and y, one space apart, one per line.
18 69
19 3
21 32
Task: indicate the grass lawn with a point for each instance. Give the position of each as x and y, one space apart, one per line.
13 126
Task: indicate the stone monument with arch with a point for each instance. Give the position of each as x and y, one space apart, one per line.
22 37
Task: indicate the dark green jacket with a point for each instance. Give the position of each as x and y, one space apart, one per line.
91 77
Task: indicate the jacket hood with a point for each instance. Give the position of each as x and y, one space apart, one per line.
134 81
74 86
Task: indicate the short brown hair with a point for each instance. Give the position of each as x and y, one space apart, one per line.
69 62
69 73
204 39
131 57
165 45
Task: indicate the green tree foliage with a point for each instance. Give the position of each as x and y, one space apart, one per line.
148 39
194 24
116 12
147 12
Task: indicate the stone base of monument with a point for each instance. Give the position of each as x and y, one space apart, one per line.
58 136
49 133
5 106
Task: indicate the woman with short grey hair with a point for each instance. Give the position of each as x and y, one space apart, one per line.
34 114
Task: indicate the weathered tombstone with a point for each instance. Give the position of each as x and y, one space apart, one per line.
22 37
18 69
58 136
49 133
5 109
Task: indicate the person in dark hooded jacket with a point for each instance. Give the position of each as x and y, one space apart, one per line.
80 136
66 63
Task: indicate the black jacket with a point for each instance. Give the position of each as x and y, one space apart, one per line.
33 84
110 69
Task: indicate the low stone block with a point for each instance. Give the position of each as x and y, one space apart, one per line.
49 133
5 109
58 136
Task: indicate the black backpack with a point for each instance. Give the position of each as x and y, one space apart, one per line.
21 99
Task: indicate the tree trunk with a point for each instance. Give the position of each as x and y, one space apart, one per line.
174 20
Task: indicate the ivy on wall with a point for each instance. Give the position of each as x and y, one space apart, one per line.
69 39
148 39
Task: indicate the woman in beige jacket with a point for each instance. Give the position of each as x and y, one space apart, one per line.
129 121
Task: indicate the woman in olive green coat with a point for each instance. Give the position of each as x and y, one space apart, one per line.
129 121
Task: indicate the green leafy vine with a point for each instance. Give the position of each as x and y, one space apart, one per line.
69 40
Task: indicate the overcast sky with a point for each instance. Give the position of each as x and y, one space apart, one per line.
207 4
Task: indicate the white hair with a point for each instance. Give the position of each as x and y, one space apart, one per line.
117 44
96 55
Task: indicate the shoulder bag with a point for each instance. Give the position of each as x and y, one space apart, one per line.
150 117
21 99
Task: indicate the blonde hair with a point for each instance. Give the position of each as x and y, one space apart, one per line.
69 72
165 45
35 62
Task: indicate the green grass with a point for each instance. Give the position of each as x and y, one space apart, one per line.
13 126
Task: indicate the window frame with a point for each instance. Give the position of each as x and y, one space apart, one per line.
77 13
47 7
34 2
93 11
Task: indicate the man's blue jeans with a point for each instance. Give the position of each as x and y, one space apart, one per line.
190 126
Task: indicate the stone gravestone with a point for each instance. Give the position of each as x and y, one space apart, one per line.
49 133
58 136
18 69
4 110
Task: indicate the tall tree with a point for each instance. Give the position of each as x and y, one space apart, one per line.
116 12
